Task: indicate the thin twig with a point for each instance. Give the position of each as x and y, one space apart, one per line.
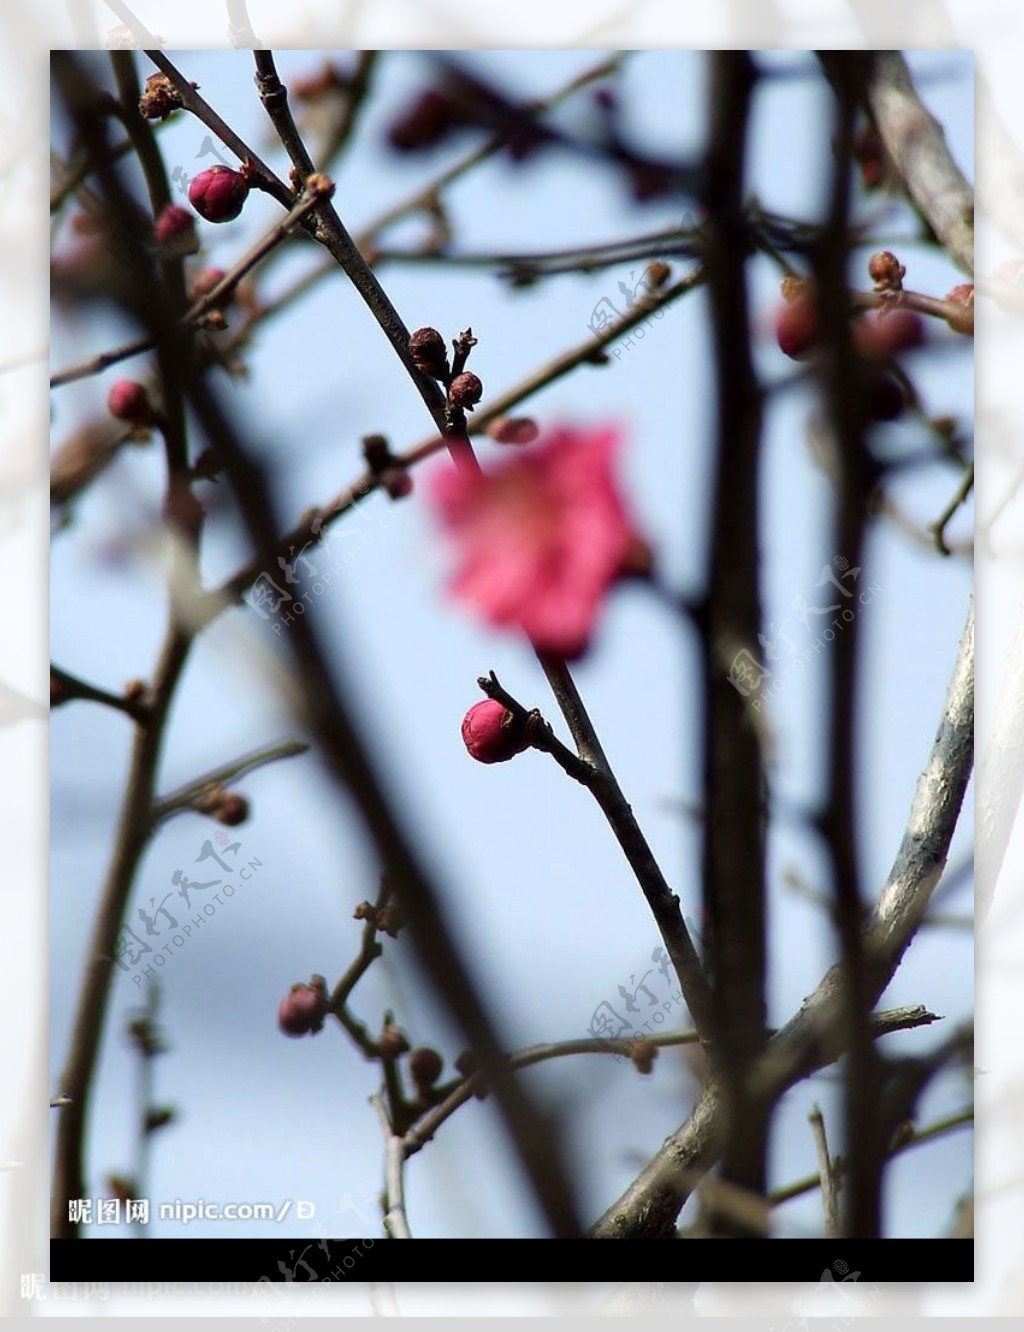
813 1037
938 528
184 798
827 1174
72 687
195 317
914 1139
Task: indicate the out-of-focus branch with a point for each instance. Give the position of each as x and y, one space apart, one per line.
828 1175
396 1223
184 797
813 1037
733 842
916 144
1000 783
903 1144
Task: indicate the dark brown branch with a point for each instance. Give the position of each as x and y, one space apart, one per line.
69 687
733 859
133 833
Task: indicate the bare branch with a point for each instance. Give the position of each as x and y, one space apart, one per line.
916 142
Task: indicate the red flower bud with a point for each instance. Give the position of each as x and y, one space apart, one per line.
887 334
513 430
429 353
466 391
425 1065
129 401
175 230
218 193
963 297
302 1011
205 282
797 327
491 733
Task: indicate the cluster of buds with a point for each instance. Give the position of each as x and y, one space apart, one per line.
302 1011
886 271
429 354
387 919
160 98
878 336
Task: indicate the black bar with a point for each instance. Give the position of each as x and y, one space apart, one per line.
319 1260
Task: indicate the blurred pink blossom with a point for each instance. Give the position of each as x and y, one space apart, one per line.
542 536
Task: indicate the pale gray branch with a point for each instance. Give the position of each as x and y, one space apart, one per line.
812 1038
916 142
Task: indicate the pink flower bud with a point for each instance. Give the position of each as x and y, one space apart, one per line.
176 230
129 401
963 297
797 327
205 282
302 1010
887 334
465 391
218 193
491 733
513 430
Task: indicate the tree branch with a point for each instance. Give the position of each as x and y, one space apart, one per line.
813 1037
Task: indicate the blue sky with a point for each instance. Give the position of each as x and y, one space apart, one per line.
548 913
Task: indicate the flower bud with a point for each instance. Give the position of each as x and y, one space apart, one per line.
466 391
302 1010
963 297
887 334
218 193
392 1041
886 271
491 733
231 809
175 231
129 401
160 98
423 124
429 353
513 430
205 282
797 327
425 1065
397 482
